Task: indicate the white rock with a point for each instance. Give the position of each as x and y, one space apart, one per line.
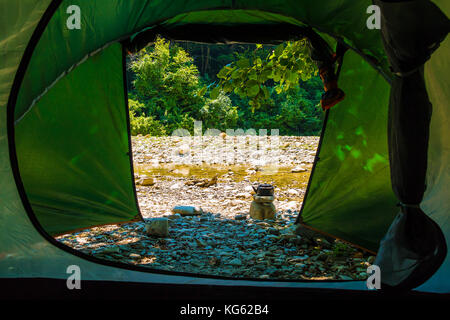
236 202
243 195
184 149
248 189
187 210
176 186
291 205
299 168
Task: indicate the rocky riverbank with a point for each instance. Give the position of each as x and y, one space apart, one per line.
220 238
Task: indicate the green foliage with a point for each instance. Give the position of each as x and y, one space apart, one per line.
167 83
277 82
136 108
299 114
250 76
218 113
144 124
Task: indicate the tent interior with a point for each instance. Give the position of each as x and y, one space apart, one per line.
69 133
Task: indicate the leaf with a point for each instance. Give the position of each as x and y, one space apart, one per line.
266 92
279 50
278 89
202 91
253 75
227 87
293 77
236 74
214 93
265 75
223 73
276 76
239 92
243 63
253 90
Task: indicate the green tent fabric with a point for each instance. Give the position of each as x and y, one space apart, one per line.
81 123
354 154
53 78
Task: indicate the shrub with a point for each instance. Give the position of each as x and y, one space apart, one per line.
146 125
219 113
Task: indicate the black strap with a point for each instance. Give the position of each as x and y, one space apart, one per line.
340 51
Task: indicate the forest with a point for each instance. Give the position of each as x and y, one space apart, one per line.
173 84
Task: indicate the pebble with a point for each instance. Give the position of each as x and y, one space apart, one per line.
235 262
240 217
158 227
146 181
298 169
187 210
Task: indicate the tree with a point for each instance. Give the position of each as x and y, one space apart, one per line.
219 113
250 76
167 83
277 81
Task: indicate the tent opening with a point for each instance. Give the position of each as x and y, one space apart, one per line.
207 131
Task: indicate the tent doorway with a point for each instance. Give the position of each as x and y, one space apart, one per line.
196 172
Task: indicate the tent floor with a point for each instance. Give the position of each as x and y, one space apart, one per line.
42 288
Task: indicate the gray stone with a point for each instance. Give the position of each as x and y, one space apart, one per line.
240 217
112 249
273 231
158 227
305 232
196 263
235 262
